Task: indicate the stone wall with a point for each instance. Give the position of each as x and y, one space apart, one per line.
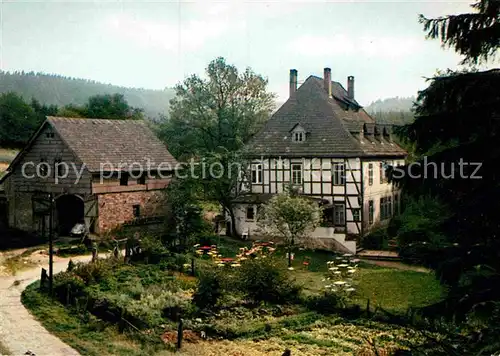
116 209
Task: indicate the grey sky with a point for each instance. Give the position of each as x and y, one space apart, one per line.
157 44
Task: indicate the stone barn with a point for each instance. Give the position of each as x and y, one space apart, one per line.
104 173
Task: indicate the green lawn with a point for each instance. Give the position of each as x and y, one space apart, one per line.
392 289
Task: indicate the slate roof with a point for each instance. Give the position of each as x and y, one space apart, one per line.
96 141
332 130
110 142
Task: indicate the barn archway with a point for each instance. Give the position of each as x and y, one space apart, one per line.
70 211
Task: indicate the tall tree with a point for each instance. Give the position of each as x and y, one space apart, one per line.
475 35
18 120
222 111
456 138
210 121
107 106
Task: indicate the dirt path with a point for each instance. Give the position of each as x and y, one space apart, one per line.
19 331
397 265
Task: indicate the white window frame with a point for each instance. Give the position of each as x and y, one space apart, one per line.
339 214
259 173
385 208
294 171
370 174
356 214
298 136
338 173
371 212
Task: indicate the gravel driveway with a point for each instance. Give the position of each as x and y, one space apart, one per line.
19 331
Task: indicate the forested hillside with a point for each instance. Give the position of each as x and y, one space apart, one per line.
57 90
396 110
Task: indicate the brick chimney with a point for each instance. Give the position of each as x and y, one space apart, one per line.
327 80
293 81
350 87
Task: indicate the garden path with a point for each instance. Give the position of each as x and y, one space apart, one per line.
19 331
397 265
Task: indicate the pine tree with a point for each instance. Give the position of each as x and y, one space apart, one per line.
458 120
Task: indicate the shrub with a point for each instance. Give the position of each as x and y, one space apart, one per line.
152 250
421 253
96 271
174 262
266 280
207 239
211 286
376 240
68 286
151 309
326 303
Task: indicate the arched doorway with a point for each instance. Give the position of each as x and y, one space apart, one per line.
70 210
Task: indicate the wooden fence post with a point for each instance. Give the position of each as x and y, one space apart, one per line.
68 293
368 307
94 251
180 335
43 278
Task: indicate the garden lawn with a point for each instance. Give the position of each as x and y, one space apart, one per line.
394 290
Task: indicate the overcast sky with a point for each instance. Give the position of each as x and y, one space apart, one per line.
156 44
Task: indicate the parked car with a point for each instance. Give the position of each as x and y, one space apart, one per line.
79 230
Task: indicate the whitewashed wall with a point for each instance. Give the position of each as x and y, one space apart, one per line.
378 189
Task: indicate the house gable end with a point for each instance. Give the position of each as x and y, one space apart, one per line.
47 153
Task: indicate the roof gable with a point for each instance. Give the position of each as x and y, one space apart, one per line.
298 128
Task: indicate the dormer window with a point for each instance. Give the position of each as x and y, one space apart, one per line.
298 133
299 137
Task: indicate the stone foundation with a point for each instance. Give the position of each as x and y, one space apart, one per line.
116 209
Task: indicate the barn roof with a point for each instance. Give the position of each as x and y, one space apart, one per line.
116 144
337 126
100 141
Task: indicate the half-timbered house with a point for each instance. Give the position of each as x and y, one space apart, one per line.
102 172
322 142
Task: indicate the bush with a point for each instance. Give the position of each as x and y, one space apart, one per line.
212 283
207 239
152 250
327 303
421 253
96 271
174 262
68 286
266 280
151 309
376 240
